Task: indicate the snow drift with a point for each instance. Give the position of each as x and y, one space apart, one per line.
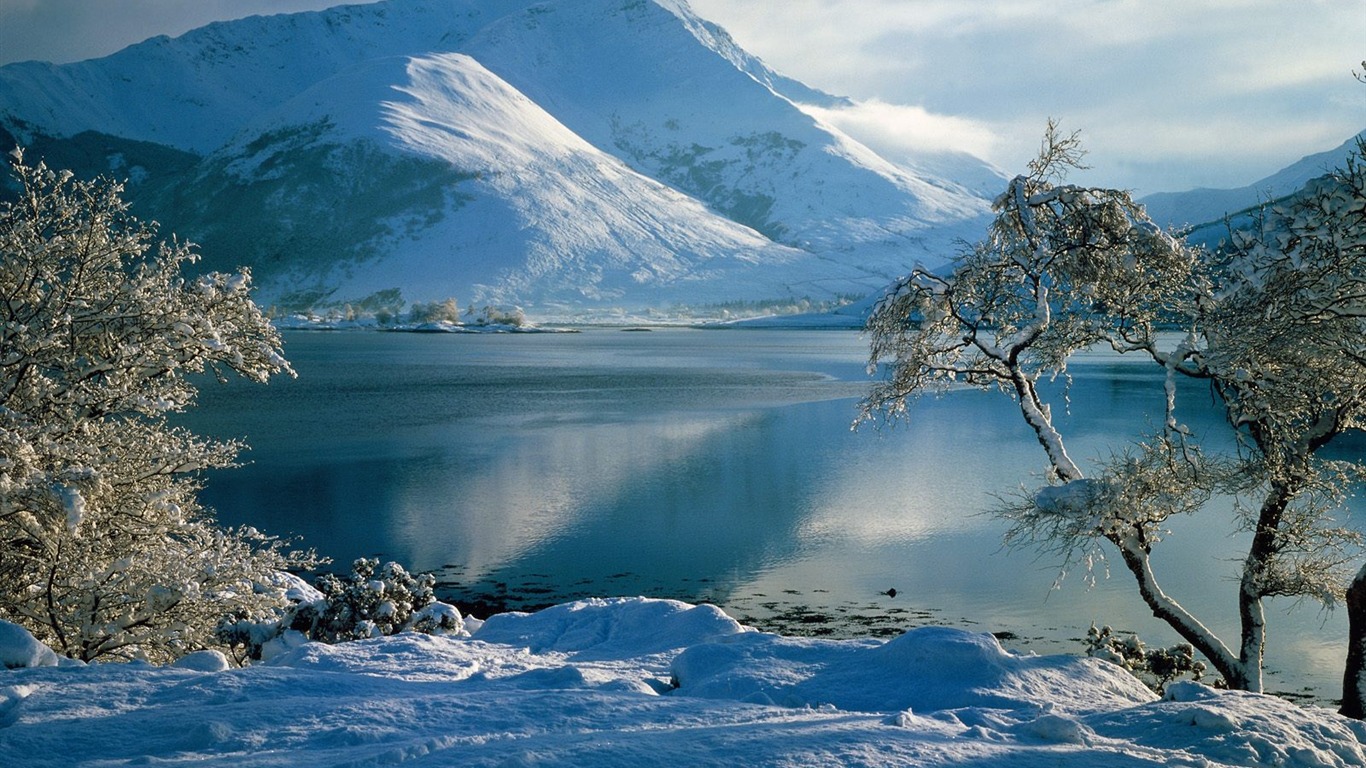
626 681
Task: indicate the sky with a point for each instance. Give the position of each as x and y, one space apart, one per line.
1167 95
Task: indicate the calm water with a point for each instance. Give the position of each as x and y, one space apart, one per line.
704 465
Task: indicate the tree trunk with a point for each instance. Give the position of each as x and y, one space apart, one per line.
1036 415
1230 667
1252 617
1240 672
1354 677
1251 587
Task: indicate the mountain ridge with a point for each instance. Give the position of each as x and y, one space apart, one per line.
572 156
1204 208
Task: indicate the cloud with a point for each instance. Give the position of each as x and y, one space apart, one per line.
1167 95
896 130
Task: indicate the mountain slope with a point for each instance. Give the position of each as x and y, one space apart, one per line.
195 91
717 133
567 155
490 179
1210 206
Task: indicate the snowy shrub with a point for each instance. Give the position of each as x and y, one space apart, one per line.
435 312
107 553
490 315
371 601
1156 667
437 619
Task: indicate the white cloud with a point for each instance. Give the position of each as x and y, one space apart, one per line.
894 130
1167 94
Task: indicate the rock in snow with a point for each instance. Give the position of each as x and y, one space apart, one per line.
633 681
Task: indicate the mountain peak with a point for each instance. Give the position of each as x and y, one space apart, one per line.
572 153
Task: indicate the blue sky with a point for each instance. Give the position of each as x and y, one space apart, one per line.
1168 94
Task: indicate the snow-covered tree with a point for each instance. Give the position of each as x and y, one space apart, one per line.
1274 322
1284 342
491 315
106 552
447 311
1060 269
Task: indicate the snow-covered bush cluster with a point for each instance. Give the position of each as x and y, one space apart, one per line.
447 311
107 553
371 601
1155 666
491 315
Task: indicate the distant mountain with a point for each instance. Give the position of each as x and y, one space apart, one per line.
1204 210
573 156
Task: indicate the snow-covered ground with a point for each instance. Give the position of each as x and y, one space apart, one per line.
635 682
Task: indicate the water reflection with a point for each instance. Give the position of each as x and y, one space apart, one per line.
705 466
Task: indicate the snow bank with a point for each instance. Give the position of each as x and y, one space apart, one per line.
931 668
592 683
615 628
18 648
204 661
1237 728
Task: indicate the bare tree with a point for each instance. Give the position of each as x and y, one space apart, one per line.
1273 322
106 552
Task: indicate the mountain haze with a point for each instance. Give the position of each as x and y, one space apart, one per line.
575 157
1203 210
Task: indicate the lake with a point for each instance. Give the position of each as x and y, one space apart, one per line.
709 465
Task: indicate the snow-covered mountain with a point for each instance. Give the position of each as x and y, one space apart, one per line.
569 156
1206 209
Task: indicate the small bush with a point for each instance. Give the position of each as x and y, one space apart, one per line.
1156 667
435 312
490 315
371 601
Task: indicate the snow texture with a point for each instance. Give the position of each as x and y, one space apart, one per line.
626 681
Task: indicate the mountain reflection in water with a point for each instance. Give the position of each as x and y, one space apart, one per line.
707 466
